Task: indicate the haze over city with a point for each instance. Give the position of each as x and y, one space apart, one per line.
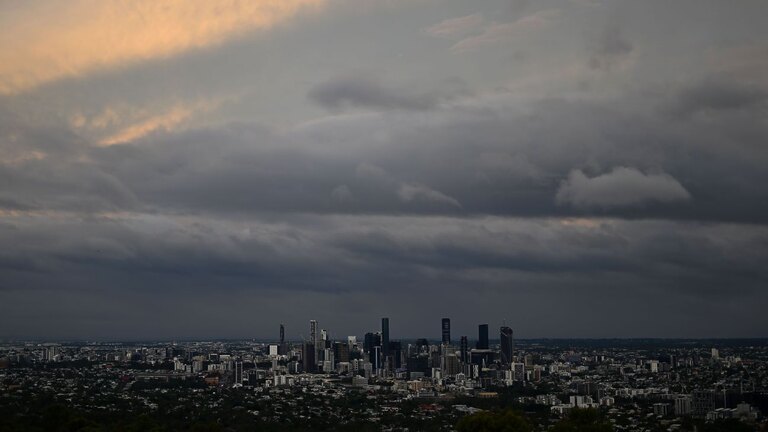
211 169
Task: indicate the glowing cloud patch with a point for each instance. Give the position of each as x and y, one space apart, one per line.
44 41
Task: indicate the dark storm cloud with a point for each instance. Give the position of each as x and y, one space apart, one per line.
609 48
717 95
368 91
622 187
165 260
503 170
461 159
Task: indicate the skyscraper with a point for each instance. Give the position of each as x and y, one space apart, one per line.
464 348
385 336
482 337
507 344
368 342
238 372
282 334
446 331
313 332
341 352
308 356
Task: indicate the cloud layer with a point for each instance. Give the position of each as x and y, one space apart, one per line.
622 187
46 41
491 160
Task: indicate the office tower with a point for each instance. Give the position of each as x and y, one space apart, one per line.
703 402
385 336
308 356
396 352
450 366
506 339
683 406
368 342
464 348
446 331
313 332
372 340
238 372
482 338
341 351
282 334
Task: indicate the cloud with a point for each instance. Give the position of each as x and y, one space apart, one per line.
414 192
341 194
622 187
609 48
326 190
110 262
454 27
495 33
123 124
367 91
406 192
45 41
718 95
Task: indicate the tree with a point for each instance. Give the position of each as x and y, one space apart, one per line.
583 420
494 421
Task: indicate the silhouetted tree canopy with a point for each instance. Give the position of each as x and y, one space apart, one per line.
583 420
494 421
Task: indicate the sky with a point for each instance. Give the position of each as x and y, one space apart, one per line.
212 168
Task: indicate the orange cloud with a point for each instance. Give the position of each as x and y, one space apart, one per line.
123 123
43 41
165 121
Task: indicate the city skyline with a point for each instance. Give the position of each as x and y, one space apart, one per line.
211 168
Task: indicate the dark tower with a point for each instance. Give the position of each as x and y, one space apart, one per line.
372 340
385 336
482 337
507 344
464 348
308 357
282 334
446 331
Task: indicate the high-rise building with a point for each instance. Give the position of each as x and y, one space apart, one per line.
506 339
385 336
464 349
313 335
372 340
308 356
482 337
450 365
683 406
341 351
703 402
238 372
446 331
282 349
396 353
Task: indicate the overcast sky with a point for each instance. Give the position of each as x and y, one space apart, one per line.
212 168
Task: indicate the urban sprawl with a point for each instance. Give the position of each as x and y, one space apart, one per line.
378 383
